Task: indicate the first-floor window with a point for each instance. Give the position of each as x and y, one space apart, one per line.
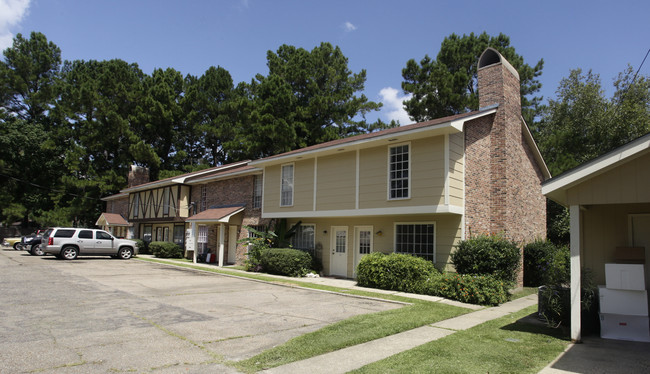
304 238
179 234
417 239
146 234
203 239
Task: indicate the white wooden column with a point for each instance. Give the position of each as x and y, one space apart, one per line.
195 244
222 233
576 329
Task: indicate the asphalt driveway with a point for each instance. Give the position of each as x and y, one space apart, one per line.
106 315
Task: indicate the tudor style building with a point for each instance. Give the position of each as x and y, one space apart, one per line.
205 212
416 189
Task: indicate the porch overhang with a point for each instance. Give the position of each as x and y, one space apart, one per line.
112 219
216 215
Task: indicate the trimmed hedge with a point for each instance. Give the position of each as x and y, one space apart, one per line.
399 272
545 264
285 261
473 289
166 250
487 254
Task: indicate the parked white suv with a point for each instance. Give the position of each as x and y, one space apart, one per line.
69 242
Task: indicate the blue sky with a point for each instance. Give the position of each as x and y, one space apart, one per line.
379 36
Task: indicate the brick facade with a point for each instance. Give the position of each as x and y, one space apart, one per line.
118 206
502 178
235 191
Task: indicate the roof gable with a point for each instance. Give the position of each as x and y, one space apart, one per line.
556 188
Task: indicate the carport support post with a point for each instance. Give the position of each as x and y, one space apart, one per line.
195 244
222 231
574 212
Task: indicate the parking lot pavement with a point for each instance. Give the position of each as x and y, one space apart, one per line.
106 315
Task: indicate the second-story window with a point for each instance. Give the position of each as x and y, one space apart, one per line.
204 198
399 175
166 201
286 194
257 192
136 205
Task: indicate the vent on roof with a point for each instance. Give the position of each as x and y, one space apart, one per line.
489 57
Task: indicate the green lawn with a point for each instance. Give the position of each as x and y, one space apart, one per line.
499 346
352 331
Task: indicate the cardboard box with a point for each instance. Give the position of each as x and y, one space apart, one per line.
623 327
625 276
629 255
627 302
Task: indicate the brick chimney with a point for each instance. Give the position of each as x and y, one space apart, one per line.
137 176
503 179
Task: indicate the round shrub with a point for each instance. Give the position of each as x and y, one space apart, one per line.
545 264
141 245
285 261
399 272
166 250
488 254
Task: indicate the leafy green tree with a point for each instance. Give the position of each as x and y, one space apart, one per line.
211 113
307 98
94 120
161 118
582 124
29 77
447 85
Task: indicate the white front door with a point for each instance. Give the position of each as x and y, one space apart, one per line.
362 244
232 244
339 251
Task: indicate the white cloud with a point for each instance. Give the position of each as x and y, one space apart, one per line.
11 13
349 27
394 105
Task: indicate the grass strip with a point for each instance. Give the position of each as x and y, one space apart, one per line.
352 331
504 345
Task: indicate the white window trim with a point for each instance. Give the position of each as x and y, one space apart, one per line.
435 235
410 171
293 182
257 199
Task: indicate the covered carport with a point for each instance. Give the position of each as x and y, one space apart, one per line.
609 203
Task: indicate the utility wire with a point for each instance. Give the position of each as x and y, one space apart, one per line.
47 188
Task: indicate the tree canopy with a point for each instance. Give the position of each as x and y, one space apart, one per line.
71 130
447 85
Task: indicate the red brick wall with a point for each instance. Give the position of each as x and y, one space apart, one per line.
502 179
118 206
231 192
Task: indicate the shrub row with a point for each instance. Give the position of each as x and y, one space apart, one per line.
406 273
473 289
166 250
394 271
285 261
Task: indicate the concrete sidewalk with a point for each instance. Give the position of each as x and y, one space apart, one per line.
357 356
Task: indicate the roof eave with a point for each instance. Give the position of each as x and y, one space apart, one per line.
448 127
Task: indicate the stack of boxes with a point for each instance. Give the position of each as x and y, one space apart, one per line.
624 298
